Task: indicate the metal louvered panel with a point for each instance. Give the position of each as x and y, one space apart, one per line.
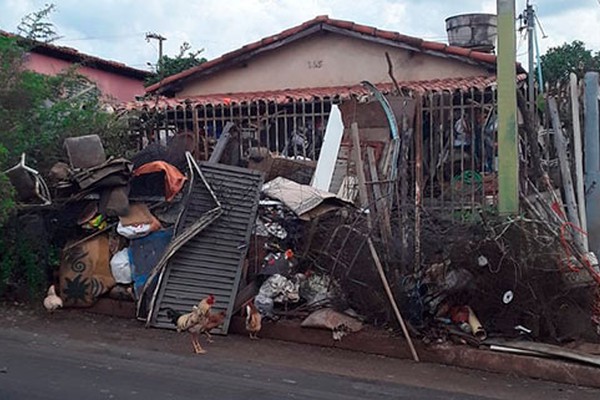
211 262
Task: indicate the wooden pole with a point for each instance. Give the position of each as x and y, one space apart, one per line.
383 211
563 160
577 148
418 181
390 295
360 172
508 168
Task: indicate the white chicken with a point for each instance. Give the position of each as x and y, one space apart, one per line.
52 301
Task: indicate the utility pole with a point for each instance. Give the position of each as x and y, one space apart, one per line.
508 161
530 20
161 39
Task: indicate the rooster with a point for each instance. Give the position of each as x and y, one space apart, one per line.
52 301
203 308
194 322
253 320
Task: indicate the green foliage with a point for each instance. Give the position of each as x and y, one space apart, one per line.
168 66
23 263
37 113
559 62
7 199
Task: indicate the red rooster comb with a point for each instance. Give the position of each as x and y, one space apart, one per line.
211 299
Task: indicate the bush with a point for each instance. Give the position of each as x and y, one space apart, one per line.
38 112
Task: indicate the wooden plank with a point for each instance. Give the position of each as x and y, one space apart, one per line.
577 147
371 134
329 151
565 169
381 202
360 171
217 153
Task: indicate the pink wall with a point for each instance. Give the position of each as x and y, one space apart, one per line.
113 86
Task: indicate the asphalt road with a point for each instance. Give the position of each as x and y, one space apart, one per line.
36 366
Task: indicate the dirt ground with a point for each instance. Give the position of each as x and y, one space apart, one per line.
79 325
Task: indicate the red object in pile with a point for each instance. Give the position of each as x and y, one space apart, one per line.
459 314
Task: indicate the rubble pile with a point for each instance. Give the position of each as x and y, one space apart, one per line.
350 239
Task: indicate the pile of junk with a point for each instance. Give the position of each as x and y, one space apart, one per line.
162 230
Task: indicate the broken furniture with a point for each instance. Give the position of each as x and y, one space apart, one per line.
28 183
210 260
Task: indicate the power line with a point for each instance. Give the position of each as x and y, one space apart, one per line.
103 37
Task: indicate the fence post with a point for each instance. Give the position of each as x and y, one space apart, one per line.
592 160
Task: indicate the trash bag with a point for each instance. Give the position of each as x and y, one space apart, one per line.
134 231
339 323
120 267
278 289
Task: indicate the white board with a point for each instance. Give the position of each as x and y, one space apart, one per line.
329 151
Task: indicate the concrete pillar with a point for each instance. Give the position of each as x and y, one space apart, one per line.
592 160
508 161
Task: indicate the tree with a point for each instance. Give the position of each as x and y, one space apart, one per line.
168 66
37 112
559 62
35 27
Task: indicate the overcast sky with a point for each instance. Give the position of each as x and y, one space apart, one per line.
115 29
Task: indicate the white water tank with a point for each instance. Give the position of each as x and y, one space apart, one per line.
473 31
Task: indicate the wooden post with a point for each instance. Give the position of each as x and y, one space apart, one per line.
565 169
577 148
197 139
383 210
360 172
508 168
418 181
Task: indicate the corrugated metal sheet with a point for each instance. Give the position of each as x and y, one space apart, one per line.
211 262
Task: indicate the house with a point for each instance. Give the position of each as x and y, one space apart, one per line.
325 53
117 82
279 91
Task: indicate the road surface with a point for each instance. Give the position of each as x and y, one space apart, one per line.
41 368
74 355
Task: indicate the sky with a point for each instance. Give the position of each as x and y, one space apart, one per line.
116 29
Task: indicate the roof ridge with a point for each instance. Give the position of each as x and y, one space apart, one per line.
72 52
413 41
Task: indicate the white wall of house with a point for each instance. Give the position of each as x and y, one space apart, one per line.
328 59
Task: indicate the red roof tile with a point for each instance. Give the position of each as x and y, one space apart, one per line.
70 54
323 20
309 94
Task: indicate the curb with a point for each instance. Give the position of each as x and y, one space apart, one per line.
376 342
460 356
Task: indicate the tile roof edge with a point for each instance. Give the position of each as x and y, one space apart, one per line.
341 24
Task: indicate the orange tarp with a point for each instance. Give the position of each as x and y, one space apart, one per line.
174 179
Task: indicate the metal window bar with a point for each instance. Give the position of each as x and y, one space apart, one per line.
459 149
293 128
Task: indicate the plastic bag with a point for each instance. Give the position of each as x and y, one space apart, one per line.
134 231
120 267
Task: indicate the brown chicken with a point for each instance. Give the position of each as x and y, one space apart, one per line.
193 322
253 320
215 320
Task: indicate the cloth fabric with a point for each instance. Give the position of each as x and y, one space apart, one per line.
174 179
